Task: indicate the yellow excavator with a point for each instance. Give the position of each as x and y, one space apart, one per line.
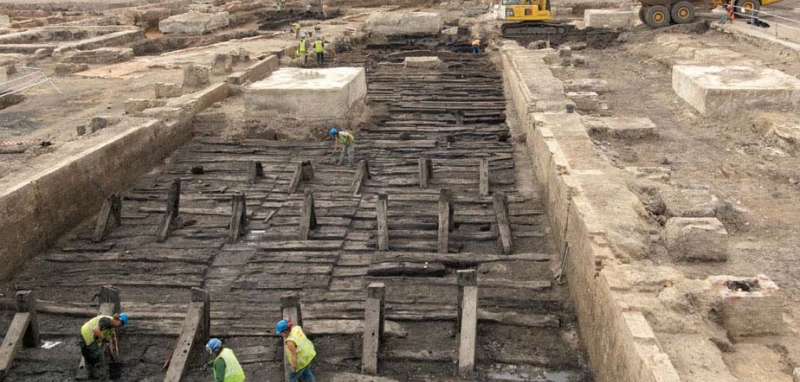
533 19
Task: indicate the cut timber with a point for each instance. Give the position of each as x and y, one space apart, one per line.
110 295
516 319
361 176
374 314
406 269
238 217
457 260
383 227
446 213
296 177
503 223
308 217
484 177
112 209
468 314
11 341
173 206
421 356
425 172
194 335
254 171
350 327
307 170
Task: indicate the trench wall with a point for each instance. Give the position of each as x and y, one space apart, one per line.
586 203
37 211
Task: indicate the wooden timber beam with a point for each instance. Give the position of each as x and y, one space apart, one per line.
110 217
173 207
484 177
467 320
446 212
362 174
503 223
374 316
194 335
308 217
238 217
425 172
383 225
254 171
24 329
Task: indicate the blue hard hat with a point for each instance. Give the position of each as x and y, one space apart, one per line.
333 131
213 345
281 327
124 318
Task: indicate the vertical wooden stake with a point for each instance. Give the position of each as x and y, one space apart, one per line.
296 177
110 295
468 320
194 335
200 296
290 309
173 211
110 216
307 170
362 174
254 171
484 177
445 219
26 302
503 223
374 315
238 217
425 172
308 218
383 227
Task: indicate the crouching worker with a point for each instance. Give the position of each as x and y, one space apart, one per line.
225 365
93 333
348 143
298 349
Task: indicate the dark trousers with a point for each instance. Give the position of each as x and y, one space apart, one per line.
476 49
320 58
91 354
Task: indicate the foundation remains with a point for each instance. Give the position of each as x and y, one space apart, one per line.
724 89
404 23
750 306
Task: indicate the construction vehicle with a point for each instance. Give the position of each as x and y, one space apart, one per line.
661 13
533 19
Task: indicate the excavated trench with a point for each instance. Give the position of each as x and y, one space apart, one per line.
453 116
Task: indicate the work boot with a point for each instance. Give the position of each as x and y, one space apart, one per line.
92 371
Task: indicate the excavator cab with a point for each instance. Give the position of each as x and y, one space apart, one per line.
525 10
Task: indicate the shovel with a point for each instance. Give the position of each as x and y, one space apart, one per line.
115 366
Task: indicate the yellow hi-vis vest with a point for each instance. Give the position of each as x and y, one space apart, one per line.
345 138
305 348
476 42
318 46
88 334
233 371
303 46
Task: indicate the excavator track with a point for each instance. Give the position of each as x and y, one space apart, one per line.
535 29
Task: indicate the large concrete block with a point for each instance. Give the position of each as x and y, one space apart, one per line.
585 101
423 62
622 127
714 90
326 94
587 85
404 23
97 56
750 306
194 22
697 239
609 18
167 90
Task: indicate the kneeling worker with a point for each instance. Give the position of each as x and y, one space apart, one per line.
93 333
298 349
225 365
348 142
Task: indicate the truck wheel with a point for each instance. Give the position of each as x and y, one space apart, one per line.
657 16
683 12
641 13
748 7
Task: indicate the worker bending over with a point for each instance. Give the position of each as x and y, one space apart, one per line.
225 365
296 28
93 333
298 349
319 49
476 45
348 142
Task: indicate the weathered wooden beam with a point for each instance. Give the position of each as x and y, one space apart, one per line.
374 315
290 309
308 217
110 294
425 172
254 171
503 224
14 336
407 269
110 216
468 320
173 208
238 217
307 170
362 174
446 212
484 177
296 177
383 225
26 303
457 260
194 335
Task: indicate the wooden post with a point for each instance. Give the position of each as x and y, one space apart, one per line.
307 170
468 320
383 227
194 335
112 209
425 172
503 223
362 174
296 177
16 333
173 208
26 303
374 314
254 171
110 295
308 218
445 219
238 217
484 177
290 309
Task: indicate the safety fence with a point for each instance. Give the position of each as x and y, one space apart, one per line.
30 77
776 22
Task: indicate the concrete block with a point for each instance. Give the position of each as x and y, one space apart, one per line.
622 127
262 69
697 239
237 78
194 76
67 69
306 94
423 62
750 306
715 90
193 23
223 64
610 18
587 85
585 101
404 23
5 21
167 90
97 56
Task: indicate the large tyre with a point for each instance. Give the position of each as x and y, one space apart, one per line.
641 14
747 8
657 16
683 12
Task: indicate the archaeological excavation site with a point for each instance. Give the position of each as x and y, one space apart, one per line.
400 190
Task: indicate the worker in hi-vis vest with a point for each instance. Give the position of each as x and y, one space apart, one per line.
298 349
93 333
319 50
225 365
